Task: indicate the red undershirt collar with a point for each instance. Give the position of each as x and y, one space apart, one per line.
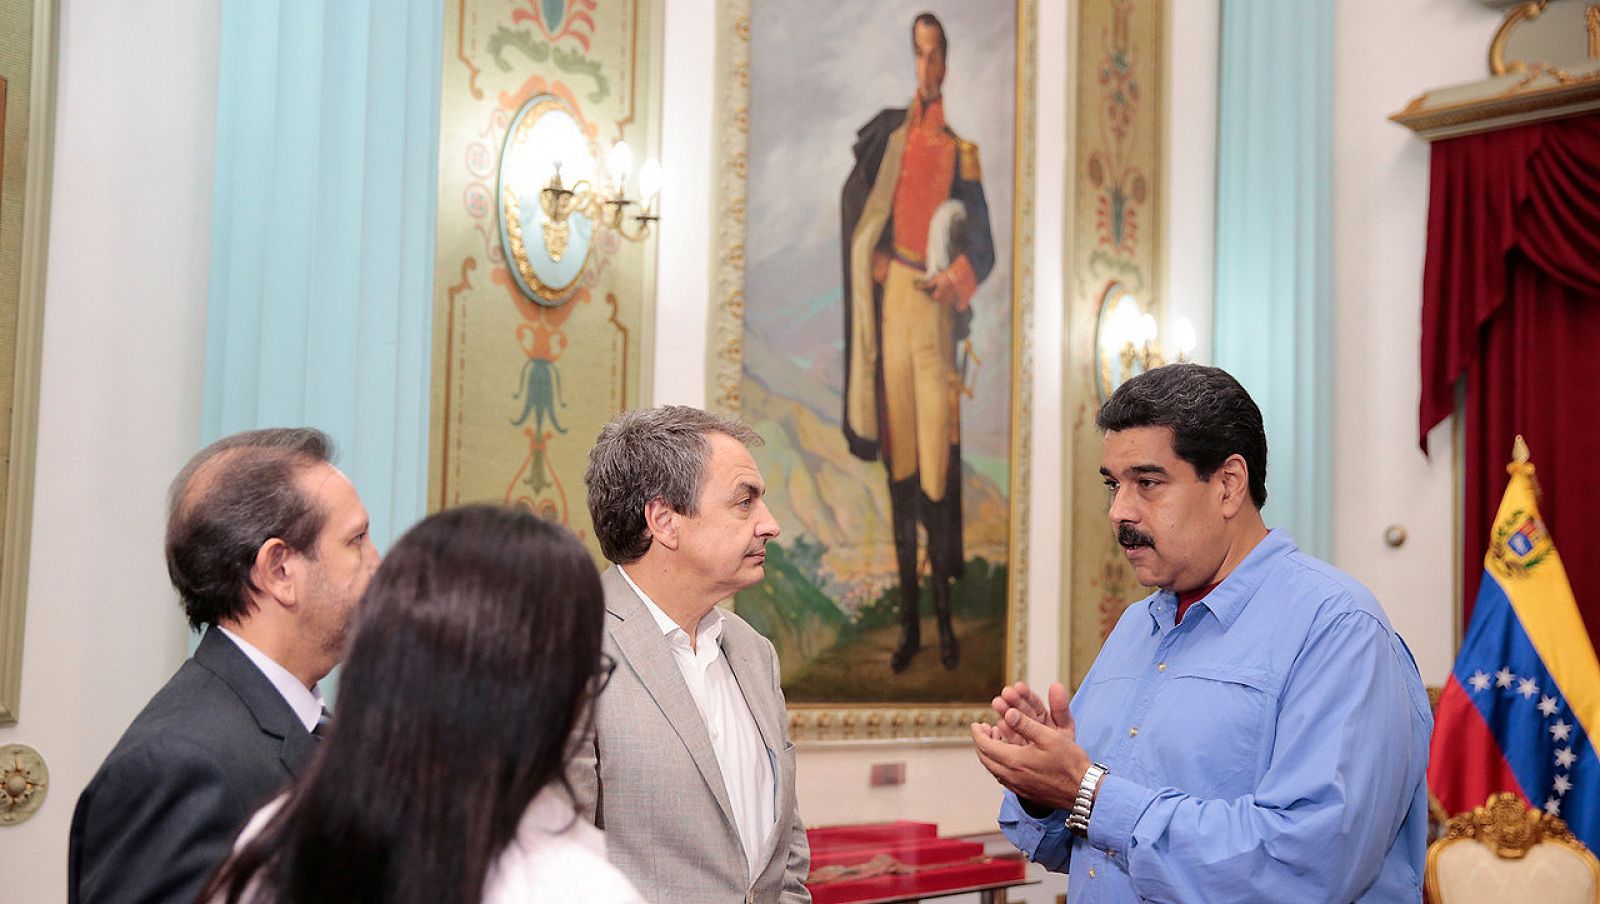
1190 597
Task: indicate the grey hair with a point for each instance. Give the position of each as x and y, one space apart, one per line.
230 499
648 454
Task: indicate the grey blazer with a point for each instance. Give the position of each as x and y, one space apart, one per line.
647 775
161 813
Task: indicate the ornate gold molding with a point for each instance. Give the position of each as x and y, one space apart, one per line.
32 93
1542 93
1518 91
1522 12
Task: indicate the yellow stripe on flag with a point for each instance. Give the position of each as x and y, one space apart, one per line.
1522 559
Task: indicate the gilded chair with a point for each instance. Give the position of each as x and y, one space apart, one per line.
1505 853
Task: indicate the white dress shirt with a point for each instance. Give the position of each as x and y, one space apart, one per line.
742 756
306 702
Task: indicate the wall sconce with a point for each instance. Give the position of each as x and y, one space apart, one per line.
549 180
1127 340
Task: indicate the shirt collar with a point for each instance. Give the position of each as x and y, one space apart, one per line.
1228 601
927 114
306 702
709 629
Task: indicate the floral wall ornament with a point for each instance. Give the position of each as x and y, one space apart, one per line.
23 783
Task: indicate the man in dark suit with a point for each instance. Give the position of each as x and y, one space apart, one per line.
268 548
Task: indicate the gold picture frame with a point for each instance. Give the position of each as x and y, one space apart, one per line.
737 204
27 114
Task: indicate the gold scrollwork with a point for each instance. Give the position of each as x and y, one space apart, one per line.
1522 12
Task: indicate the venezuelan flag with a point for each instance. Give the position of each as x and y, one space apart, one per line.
1523 702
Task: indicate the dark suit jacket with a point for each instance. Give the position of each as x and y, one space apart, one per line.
208 749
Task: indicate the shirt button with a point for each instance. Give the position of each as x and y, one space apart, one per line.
1091 872
1133 732
1161 666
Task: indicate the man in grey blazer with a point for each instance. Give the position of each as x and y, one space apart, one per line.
688 767
267 545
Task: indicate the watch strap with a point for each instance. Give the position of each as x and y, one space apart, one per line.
1083 804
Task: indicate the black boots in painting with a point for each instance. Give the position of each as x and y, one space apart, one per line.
905 503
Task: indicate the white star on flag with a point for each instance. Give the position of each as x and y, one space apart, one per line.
1561 730
1527 688
1548 705
1565 757
1503 678
1553 807
1563 784
1479 682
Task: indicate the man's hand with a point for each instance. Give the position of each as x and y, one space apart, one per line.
880 266
1022 698
943 290
1041 762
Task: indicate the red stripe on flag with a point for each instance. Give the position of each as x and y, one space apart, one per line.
1465 764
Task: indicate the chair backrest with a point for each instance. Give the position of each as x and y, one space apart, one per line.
1508 854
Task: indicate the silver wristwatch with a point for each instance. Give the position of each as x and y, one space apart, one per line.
1083 805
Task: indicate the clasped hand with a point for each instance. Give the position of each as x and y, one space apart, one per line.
941 288
1033 750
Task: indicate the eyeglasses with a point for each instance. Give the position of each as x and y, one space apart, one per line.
602 674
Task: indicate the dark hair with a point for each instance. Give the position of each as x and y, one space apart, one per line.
233 496
475 654
1209 413
648 454
932 21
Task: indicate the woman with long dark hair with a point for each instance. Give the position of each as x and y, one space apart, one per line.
476 656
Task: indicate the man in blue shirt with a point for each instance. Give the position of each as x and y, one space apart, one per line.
1253 731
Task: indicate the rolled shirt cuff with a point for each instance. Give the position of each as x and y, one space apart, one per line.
1118 804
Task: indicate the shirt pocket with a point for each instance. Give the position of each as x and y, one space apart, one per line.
1211 729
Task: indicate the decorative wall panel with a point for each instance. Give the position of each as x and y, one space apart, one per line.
534 352
1115 249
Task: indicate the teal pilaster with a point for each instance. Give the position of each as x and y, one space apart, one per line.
321 279
1273 323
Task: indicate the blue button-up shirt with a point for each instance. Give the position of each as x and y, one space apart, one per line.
1271 747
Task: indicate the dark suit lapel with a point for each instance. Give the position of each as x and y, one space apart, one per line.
223 658
639 639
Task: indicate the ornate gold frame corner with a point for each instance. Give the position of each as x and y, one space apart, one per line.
25 361
867 723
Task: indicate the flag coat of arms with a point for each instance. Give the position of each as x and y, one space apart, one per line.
1521 707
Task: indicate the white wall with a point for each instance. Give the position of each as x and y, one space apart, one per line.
124 328
1385 53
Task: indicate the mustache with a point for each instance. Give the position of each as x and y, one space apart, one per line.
1130 536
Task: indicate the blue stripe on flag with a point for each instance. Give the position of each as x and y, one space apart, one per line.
1528 715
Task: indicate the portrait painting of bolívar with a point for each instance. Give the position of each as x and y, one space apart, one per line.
878 361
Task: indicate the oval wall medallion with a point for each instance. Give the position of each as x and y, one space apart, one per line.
23 783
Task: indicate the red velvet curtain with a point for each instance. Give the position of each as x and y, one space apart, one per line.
1511 302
